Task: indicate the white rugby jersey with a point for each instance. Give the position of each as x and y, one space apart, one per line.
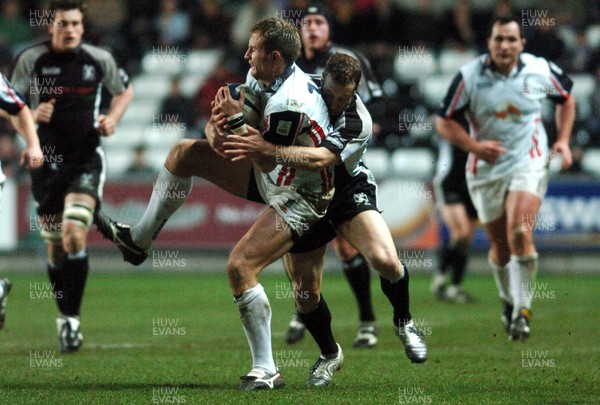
506 108
294 113
10 102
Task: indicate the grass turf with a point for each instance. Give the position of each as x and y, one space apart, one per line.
177 338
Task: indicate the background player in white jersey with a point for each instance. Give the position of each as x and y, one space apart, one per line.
352 213
501 93
13 107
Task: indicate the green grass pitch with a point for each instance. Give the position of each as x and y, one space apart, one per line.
177 338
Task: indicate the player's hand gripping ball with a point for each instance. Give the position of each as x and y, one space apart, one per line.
252 103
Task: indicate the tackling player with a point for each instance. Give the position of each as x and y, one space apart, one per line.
62 79
317 48
352 213
507 171
13 107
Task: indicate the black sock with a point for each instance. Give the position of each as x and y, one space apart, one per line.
318 323
358 276
445 255
397 294
459 264
54 274
74 274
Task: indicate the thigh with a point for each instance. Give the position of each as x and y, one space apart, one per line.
265 242
489 197
457 219
88 178
306 269
521 210
368 233
196 158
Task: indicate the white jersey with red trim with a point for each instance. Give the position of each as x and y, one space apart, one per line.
506 109
11 102
294 113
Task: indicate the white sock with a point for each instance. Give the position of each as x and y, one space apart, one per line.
501 277
168 194
79 255
522 277
255 312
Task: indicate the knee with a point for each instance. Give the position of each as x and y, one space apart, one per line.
519 236
176 158
500 253
74 238
344 250
387 265
306 299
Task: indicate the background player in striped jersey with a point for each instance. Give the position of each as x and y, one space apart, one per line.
353 213
13 107
62 80
317 48
507 170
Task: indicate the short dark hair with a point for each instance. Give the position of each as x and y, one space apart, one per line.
68 5
503 20
279 35
343 69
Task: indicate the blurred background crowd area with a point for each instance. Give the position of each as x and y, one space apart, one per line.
178 52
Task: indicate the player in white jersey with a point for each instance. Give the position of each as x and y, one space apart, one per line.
273 46
502 93
353 213
13 107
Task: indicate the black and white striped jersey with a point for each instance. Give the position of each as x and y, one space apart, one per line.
75 81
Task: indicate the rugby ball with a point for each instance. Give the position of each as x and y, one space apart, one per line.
252 103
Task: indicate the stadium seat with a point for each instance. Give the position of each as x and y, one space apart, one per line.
413 163
451 60
567 35
191 82
203 62
412 67
378 160
163 137
156 156
163 64
118 160
434 88
125 136
592 36
590 162
151 86
583 89
141 112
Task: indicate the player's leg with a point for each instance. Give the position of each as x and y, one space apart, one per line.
357 273
77 217
521 208
266 241
5 284
306 270
370 235
187 158
498 258
454 254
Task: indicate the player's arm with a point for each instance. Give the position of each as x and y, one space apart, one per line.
15 109
565 116
455 103
561 85
24 124
253 146
107 123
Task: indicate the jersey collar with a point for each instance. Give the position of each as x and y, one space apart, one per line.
488 63
276 84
